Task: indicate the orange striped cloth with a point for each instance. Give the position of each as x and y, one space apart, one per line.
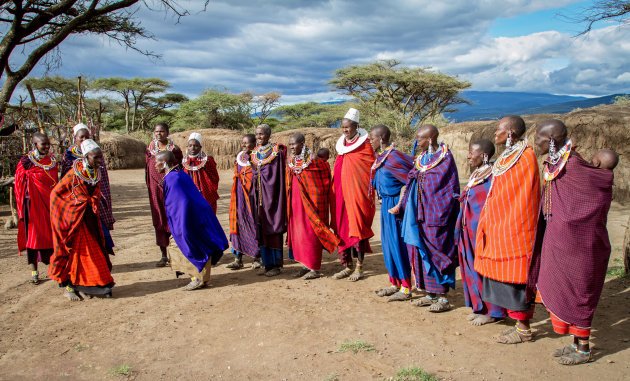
246 175
507 225
355 183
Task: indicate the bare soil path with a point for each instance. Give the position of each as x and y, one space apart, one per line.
251 327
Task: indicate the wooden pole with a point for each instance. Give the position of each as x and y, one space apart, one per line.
34 103
79 100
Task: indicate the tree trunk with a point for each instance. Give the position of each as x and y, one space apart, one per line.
127 118
10 83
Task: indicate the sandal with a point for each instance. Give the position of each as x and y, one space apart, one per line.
343 273
564 351
273 272
35 279
399 296
356 275
391 290
163 262
256 264
442 305
425 301
301 272
194 284
236 265
516 336
312 274
72 295
575 358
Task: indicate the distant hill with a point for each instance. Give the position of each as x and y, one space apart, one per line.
487 105
494 104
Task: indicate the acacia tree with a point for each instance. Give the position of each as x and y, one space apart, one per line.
61 92
34 28
412 94
215 108
264 103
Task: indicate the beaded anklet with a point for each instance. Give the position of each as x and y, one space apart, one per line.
524 332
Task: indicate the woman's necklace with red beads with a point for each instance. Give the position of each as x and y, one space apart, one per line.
84 173
202 156
154 147
300 162
35 159
260 151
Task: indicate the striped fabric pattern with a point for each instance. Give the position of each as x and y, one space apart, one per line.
507 225
206 179
315 189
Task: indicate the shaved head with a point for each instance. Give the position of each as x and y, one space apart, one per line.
486 146
382 131
429 130
605 158
167 156
298 137
516 124
39 137
265 129
555 128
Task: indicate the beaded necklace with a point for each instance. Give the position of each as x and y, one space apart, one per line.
83 173
75 150
382 157
478 176
154 147
425 167
33 157
300 162
508 158
259 151
563 155
240 161
204 159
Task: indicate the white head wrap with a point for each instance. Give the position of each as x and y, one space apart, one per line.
353 115
80 127
196 136
88 146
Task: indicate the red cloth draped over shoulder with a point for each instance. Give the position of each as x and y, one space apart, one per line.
507 224
83 264
246 175
37 183
315 189
205 178
355 183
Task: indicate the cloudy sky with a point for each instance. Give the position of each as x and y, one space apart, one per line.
293 46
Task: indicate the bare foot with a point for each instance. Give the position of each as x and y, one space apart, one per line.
482 319
471 317
72 296
356 275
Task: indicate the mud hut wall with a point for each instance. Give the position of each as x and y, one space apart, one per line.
122 151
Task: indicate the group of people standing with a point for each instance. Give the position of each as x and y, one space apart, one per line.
515 243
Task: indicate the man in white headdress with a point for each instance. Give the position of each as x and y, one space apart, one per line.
80 262
203 170
353 204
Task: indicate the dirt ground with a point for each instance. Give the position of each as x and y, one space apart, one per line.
251 327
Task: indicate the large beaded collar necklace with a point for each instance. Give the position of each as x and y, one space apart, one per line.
561 156
201 156
260 151
298 163
356 142
76 151
382 156
83 172
432 164
242 158
34 156
154 147
509 157
478 176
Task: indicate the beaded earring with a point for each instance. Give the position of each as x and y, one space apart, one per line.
381 144
508 142
430 150
485 159
552 147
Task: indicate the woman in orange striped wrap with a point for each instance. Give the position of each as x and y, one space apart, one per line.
352 204
507 228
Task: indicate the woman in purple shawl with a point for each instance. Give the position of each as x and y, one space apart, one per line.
192 221
472 200
389 175
572 246
268 163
